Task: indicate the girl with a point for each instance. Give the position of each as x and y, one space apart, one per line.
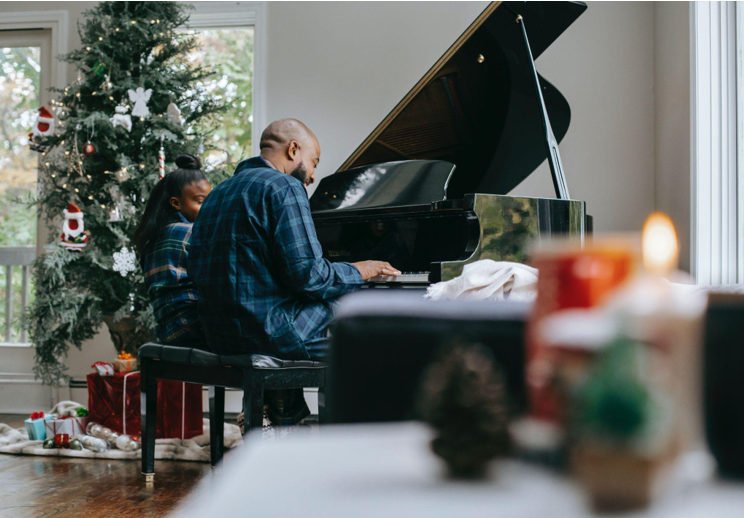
161 241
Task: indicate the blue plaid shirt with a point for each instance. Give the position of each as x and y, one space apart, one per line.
263 283
172 293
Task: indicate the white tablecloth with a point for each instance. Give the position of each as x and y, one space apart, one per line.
387 471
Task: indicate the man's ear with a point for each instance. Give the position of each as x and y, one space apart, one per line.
293 149
175 203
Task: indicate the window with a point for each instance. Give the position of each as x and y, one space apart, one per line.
229 52
230 35
25 64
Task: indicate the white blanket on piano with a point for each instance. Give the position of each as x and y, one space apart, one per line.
489 280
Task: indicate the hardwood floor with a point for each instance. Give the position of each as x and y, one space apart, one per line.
59 487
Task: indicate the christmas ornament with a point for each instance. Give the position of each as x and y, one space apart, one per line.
174 114
124 261
122 118
94 443
140 97
99 69
161 160
74 236
48 444
44 125
62 440
89 149
127 443
76 444
122 175
464 399
101 432
107 84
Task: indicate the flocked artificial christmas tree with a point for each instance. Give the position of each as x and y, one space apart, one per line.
136 105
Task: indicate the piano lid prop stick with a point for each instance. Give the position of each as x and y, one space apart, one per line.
554 157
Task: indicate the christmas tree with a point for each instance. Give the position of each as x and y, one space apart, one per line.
138 103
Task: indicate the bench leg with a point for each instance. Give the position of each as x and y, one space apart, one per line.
253 399
322 417
149 418
216 423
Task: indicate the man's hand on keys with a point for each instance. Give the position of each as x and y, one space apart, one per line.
370 269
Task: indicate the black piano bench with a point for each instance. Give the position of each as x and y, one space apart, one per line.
253 373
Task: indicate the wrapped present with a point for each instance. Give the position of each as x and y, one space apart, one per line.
125 363
103 368
36 426
71 426
114 402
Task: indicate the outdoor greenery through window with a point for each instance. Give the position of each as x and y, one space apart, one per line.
20 70
229 52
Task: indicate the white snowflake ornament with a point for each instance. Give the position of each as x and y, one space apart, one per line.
124 261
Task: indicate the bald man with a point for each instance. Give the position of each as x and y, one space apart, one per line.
262 281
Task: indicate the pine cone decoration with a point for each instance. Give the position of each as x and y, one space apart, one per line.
464 398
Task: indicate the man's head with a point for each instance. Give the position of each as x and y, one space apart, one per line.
291 148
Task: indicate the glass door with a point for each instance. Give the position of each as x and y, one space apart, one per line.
25 64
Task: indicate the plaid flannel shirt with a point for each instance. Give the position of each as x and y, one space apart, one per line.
263 283
172 293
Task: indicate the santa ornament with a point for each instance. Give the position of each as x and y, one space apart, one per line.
74 236
43 127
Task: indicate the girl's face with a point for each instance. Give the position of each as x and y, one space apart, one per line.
192 196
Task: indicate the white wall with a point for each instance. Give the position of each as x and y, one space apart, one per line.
672 117
341 67
604 66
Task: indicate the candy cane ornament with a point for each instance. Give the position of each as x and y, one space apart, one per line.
161 160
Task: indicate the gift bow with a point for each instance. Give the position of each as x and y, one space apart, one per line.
37 415
126 356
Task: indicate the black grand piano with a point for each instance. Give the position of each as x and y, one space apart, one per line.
428 189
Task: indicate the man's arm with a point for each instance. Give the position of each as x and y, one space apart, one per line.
297 254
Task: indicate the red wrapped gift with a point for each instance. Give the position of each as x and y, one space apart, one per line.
114 402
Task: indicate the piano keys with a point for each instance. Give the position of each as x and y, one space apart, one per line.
428 189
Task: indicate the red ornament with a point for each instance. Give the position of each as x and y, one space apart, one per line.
62 440
89 149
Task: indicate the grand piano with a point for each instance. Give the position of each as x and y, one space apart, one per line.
428 189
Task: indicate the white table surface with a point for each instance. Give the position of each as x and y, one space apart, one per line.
387 471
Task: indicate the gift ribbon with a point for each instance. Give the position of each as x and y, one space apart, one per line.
124 403
76 421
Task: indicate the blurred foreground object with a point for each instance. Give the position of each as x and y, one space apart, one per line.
622 428
620 374
464 398
724 381
382 345
570 277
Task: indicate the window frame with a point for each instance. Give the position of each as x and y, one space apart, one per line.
230 15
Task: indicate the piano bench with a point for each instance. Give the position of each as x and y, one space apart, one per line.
252 373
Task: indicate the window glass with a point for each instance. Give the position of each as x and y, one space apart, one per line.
229 52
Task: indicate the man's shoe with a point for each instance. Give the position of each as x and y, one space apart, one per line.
286 407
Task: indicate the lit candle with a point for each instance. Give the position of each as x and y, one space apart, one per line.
660 249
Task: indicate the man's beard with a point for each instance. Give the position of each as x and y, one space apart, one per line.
301 174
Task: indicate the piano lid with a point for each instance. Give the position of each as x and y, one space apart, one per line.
477 107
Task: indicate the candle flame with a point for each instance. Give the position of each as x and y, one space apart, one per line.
660 249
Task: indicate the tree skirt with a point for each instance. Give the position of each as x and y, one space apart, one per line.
15 441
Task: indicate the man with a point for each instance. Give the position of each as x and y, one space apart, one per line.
262 281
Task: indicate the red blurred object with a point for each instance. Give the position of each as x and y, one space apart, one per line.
62 440
37 415
569 278
114 402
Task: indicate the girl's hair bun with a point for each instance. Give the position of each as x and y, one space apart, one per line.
188 162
